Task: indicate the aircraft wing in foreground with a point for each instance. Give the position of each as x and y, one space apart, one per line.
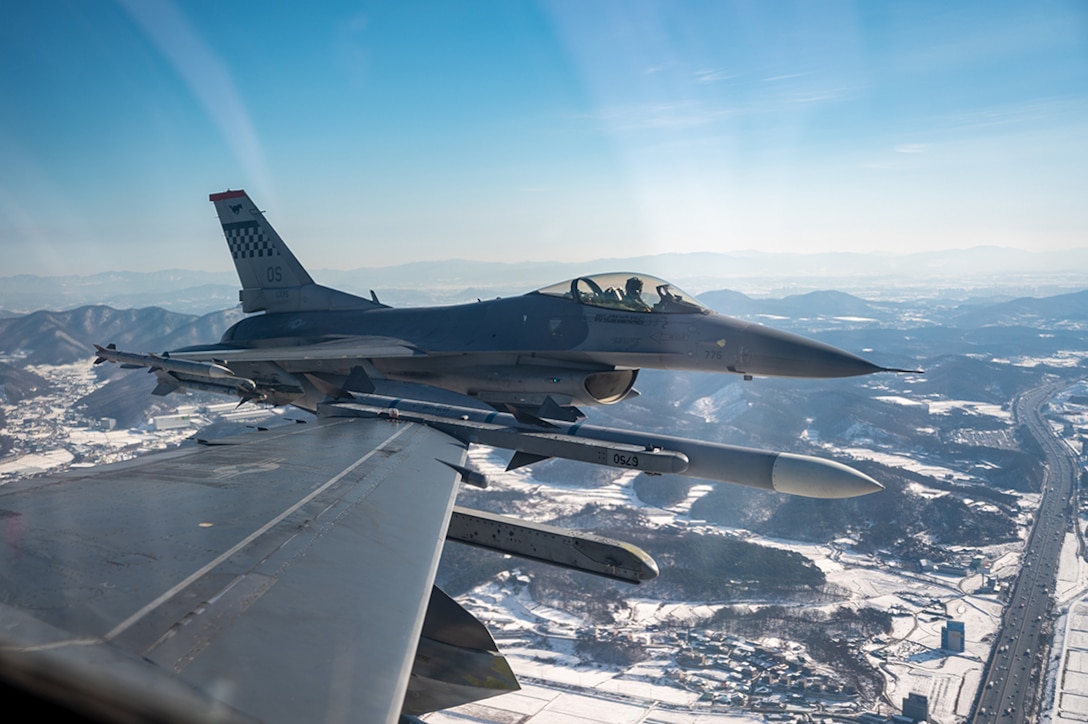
283 575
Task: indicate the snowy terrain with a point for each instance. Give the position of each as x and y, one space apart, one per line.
910 658
561 686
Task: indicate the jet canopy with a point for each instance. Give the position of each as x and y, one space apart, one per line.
627 292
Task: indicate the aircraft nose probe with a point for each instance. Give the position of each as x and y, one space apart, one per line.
774 353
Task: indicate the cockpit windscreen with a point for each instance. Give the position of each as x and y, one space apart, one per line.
629 292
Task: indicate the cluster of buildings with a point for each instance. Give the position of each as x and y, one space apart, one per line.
961 564
732 671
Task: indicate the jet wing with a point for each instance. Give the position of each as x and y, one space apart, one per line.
352 348
281 575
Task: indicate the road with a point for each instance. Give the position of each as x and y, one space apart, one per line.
1017 664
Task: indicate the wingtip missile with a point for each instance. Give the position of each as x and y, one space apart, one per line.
177 372
130 360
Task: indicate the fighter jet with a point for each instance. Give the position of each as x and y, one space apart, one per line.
578 342
287 575
534 357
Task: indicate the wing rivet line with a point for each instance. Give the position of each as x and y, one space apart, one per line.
188 581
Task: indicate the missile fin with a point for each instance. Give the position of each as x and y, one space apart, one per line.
359 381
468 475
166 385
102 356
521 459
551 408
328 389
527 418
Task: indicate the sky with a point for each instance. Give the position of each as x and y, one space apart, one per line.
378 133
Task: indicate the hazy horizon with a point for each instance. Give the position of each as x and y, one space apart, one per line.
979 272
224 265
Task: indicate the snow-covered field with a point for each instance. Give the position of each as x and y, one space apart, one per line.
559 682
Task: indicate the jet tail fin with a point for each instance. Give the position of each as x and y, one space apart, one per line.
272 278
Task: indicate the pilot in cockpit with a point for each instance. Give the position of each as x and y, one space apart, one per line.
632 295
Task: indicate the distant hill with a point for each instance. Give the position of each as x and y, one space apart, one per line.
828 303
179 290
733 303
17 384
1063 309
127 399
62 337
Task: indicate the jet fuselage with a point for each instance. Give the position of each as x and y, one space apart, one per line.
578 347
562 329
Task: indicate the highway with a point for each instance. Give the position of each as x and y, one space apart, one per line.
1017 664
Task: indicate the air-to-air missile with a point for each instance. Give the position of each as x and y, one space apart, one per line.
647 452
132 360
174 373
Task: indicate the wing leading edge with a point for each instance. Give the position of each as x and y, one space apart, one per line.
285 575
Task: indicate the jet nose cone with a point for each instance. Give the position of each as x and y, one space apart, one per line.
775 353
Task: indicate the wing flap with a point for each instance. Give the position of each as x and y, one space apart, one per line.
286 576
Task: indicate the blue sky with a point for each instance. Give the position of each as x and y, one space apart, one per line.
380 133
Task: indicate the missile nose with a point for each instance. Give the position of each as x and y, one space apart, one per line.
219 371
776 353
815 478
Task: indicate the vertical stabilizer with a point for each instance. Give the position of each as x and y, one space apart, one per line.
260 256
272 278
